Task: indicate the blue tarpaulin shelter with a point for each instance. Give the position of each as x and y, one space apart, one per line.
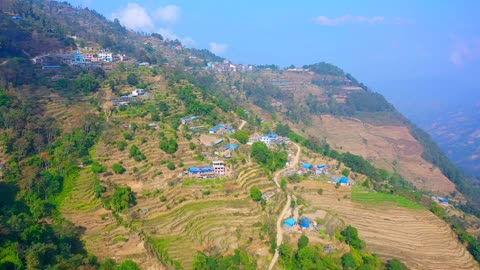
307 166
290 222
231 146
304 222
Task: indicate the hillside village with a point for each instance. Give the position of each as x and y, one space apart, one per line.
186 158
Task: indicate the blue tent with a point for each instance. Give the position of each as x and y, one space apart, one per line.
304 222
290 222
344 180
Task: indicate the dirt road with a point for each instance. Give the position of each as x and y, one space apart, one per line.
242 124
286 208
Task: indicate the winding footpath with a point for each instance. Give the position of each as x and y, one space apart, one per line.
286 208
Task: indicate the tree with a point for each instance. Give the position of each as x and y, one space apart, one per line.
132 79
122 198
256 194
283 183
303 241
242 136
171 166
261 153
128 265
4 98
117 168
169 146
348 261
351 237
192 146
200 262
346 172
395 264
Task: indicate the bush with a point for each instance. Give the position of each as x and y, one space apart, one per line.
169 146
192 146
171 166
122 145
303 241
163 198
351 237
255 194
97 168
346 172
117 168
396 264
122 198
127 136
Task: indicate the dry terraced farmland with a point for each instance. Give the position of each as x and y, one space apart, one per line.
393 228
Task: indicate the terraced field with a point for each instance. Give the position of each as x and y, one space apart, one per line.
103 236
415 236
220 220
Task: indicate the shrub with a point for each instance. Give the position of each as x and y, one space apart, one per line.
171 166
255 194
97 168
117 168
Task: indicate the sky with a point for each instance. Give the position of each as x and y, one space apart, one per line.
414 52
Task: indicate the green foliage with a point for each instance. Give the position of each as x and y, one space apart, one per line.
171 166
395 264
351 237
122 145
98 168
348 261
303 241
192 146
346 172
118 168
240 260
242 136
4 98
128 265
122 198
86 84
282 130
169 146
132 79
255 194
136 153
325 69
267 158
128 136
283 184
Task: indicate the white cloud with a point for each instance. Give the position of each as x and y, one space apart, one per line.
465 51
348 19
169 34
168 14
135 17
218 48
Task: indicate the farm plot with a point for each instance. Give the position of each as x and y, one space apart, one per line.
415 236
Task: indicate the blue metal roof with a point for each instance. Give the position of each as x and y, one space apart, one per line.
321 166
307 165
231 146
271 136
344 180
290 222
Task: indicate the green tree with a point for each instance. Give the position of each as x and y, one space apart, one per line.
192 146
283 183
171 166
128 265
4 98
132 79
260 153
351 237
395 264
256 194
303 241
169 146
117 168
348 261
242 136
122 198
200 262
346 172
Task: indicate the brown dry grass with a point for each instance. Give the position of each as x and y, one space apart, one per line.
383 146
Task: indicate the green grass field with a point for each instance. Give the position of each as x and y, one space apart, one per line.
361 195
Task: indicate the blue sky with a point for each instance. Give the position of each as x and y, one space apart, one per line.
406 50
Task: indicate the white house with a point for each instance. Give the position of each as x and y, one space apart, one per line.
219 167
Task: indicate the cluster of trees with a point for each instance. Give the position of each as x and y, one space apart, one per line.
136 153
324 68
267 158
170 146
242 136
193 103
122 198
239 260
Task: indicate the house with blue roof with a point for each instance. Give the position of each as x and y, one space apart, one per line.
307 166
319 169
269 138
187 120
343 181
232 146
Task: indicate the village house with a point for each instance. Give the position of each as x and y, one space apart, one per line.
219 167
